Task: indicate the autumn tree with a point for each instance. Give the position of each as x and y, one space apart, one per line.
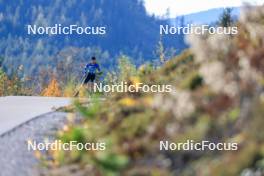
53 89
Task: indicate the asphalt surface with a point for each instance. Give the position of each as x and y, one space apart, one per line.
17 110
22 119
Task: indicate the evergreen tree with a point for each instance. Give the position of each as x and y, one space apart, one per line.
1 61
226 19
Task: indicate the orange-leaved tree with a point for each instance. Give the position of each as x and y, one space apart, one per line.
53 89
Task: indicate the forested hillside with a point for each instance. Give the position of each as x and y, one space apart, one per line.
129 31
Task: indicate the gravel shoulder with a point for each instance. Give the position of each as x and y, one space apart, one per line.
15 158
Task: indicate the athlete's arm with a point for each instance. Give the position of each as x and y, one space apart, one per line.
98 67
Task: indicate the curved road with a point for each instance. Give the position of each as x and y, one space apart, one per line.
23 119
17 110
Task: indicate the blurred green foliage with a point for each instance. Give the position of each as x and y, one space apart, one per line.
217 96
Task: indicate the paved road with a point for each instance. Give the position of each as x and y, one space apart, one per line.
16 110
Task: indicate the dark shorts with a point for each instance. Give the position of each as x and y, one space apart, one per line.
90 78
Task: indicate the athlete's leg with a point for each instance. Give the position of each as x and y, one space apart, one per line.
91 83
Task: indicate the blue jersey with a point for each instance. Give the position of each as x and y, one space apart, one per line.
91 68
